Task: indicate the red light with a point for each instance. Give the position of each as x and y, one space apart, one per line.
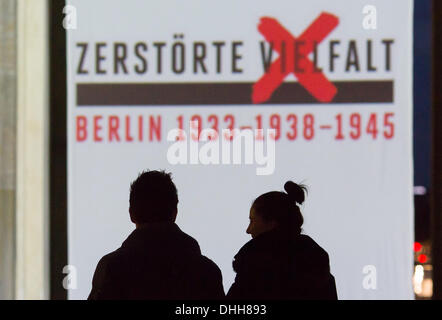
422 258
417 247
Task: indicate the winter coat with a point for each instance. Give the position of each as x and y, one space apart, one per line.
157 262
278 265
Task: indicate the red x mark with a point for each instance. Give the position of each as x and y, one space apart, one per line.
313 81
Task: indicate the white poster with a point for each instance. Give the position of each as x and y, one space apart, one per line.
333 79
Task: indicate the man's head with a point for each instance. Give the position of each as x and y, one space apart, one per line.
153 198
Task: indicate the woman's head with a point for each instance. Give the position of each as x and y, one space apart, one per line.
277 209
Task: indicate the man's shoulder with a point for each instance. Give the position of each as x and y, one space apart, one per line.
210 267
209 263
111 260
104 274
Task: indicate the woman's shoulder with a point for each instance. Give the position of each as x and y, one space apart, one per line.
273 245
311 255
263 251
305 242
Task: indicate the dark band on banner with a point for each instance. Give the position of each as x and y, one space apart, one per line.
239 93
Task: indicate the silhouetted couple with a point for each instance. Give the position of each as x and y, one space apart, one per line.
159 261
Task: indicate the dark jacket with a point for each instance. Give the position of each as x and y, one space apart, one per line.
157 262
276 265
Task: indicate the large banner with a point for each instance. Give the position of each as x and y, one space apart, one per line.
318 92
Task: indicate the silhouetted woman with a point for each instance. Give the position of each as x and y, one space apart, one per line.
280 262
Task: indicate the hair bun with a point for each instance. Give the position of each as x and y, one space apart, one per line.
295 191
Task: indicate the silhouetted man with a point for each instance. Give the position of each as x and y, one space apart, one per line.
157 260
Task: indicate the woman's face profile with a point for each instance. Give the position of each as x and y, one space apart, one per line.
258 225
